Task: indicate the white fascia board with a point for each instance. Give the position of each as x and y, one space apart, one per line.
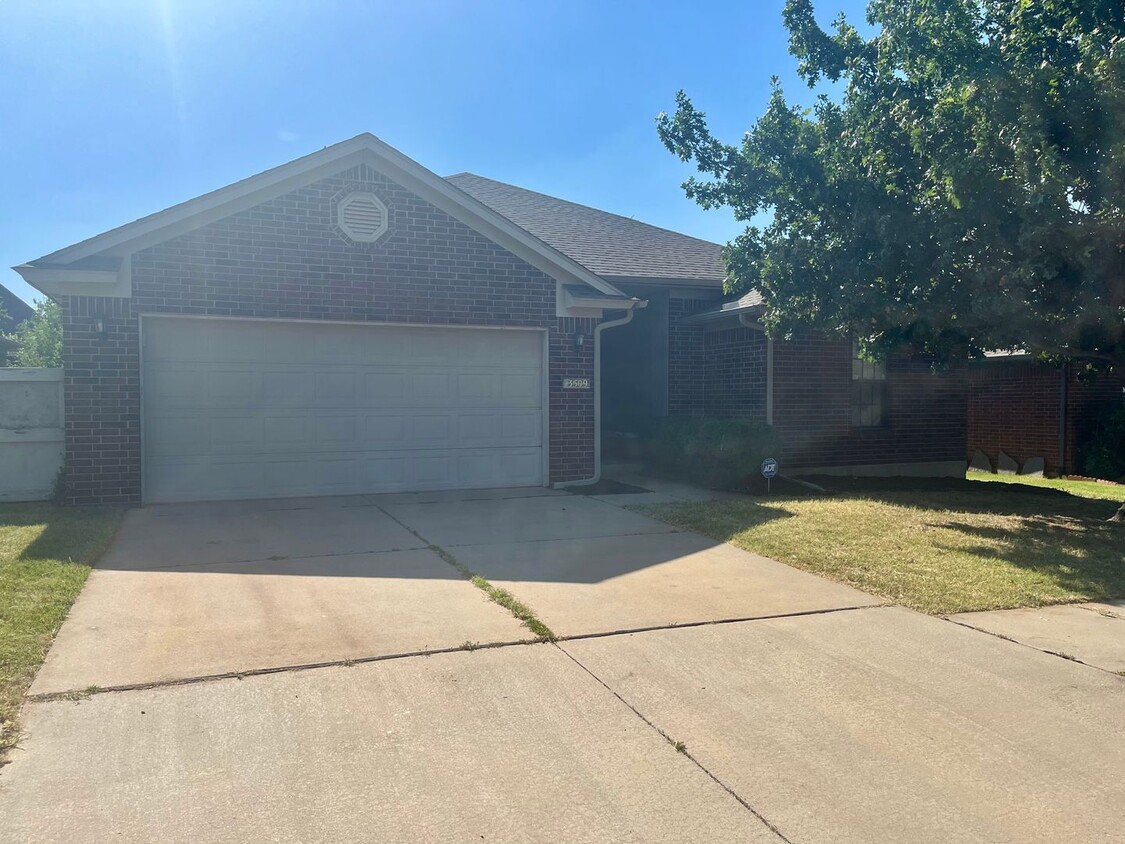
60 281
366 148
570 304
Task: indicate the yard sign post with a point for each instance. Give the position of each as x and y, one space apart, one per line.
769 470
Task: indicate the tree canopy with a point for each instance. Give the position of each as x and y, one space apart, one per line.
960 186
39 337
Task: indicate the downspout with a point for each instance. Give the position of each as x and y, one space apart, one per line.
1063 387
757 326
598 329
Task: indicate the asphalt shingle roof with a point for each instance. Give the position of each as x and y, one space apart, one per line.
15 310
607 244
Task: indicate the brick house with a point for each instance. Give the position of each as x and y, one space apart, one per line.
351 322
690 351
1029 410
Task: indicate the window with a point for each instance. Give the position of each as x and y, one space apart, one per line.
869 391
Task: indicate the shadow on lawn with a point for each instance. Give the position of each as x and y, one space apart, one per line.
973 497
1083 556
70 534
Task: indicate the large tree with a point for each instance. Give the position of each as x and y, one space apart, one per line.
39 337
960 186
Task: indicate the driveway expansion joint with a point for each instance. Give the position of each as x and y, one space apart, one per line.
687 625
681 748
500 597
75 695
1058 654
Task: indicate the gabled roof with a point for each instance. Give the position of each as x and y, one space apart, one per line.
15 310
608 244
748 303
76 264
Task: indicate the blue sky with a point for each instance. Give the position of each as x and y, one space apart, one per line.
113 110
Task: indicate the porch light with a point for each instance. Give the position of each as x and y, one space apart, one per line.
579 341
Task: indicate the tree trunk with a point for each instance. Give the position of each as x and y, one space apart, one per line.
1119 516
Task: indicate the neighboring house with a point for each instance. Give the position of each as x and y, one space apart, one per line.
350 322
13 310
1030 410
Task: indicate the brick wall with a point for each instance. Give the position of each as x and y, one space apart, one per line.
812 409
283 259
812 401
101 396
685 358
734 382
1014 408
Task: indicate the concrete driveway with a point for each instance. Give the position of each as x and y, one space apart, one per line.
317 670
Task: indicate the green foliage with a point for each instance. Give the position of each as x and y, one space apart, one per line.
1103 456
39 337
965 191
718 453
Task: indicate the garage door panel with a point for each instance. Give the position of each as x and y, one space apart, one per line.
247 409
194 436
524 389
287 387
284 430
429 431
386 431
386 387
235 432
336 431
385 473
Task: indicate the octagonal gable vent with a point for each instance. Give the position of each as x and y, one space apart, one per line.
362 217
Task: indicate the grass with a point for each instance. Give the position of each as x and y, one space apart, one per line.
1083 489
500 596
939 546
45 555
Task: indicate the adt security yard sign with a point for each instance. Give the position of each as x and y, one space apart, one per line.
769 470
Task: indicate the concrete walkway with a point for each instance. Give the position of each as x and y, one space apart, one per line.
317 670
1092 633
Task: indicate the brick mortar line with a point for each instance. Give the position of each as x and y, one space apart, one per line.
742 801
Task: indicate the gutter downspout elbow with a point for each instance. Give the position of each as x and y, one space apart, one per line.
598 329
744 319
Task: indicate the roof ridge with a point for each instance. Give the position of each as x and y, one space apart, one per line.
587 207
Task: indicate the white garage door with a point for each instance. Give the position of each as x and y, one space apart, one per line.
249 409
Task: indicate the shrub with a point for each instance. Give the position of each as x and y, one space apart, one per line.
1103 454
718 453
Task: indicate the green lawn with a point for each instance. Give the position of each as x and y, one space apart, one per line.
1085 489
939 547
45 554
